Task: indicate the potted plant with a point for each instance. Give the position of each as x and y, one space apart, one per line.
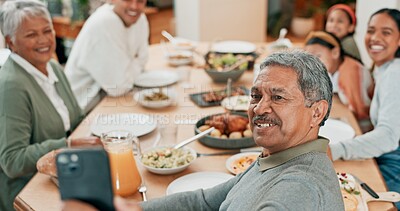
80 10
55 7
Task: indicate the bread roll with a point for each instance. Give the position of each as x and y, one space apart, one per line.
47 163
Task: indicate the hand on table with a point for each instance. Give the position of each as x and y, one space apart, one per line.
122 204
86 142
47 163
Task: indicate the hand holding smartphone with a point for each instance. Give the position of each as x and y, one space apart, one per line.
84 174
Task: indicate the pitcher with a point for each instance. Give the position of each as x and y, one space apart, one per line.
124 172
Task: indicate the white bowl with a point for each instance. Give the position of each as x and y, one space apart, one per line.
183 44
236 103
172 170
177 58
140 97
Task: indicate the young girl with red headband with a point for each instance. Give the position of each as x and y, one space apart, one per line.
341 21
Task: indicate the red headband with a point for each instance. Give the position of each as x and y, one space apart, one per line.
345 8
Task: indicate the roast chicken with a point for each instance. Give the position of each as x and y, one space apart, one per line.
227 123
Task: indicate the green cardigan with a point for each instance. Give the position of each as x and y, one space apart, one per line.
30 126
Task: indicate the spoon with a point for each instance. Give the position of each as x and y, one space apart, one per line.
282 33
168 36
143 190
194 138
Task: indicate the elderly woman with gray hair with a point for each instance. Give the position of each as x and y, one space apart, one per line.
37 107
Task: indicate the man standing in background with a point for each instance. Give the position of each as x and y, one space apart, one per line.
109 52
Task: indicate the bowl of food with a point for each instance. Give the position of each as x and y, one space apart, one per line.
155 98
221 67
183 44
177 58
166 160
236 103
232 131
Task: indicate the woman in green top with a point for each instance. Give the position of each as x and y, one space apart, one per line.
37 107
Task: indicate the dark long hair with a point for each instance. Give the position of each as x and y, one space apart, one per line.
395 15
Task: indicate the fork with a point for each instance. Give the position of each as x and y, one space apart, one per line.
143 189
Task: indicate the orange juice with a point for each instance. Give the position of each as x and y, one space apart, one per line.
124 173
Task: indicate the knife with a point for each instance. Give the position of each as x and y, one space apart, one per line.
366 187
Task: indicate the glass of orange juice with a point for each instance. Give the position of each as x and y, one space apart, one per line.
124 172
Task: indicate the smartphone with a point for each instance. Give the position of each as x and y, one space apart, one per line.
84 174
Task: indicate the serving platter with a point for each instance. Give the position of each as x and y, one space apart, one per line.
199 100
355 198
223 143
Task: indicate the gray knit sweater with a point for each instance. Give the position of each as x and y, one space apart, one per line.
299 178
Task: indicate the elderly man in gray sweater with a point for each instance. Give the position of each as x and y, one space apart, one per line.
290 100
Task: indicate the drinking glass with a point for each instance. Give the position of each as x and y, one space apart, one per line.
184 73
124 172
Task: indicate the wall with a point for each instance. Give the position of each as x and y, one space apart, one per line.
207 20
187 19
364 9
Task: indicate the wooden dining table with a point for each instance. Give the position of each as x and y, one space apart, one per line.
42 194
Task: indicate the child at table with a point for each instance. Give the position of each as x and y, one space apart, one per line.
354 93
341 21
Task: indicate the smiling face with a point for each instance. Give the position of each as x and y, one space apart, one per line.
34 41
382 38
338 23
129 10
330 57
278 116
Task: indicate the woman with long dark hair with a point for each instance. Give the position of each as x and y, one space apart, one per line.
382 41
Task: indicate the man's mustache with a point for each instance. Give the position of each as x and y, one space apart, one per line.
266 119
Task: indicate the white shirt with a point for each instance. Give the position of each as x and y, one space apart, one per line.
106 56
47 85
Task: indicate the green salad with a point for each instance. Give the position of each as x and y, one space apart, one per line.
220 62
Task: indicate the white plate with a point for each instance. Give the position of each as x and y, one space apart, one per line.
157 78
196 181
137 124
236 103
336 131
234 46
140 98
233 158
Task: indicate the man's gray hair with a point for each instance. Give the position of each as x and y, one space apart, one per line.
312 76
13 12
